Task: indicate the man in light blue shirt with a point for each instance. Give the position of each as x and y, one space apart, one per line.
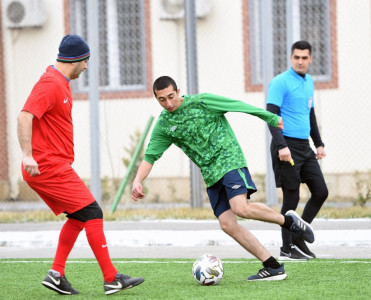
290 95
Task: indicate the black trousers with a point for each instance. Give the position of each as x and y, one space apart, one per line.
306 170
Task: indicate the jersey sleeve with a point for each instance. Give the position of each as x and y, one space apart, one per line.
41 99
314 131
276 91
223 105
158 144
276 133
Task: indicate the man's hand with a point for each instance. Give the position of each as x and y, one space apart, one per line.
137 191
285 154
31 166
280 123
320 152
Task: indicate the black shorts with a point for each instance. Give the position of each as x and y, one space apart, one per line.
90 212
235 182
306 166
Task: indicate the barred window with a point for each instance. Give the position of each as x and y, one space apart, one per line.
311 21
122 44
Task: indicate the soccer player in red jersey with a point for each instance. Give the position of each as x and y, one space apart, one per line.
45 133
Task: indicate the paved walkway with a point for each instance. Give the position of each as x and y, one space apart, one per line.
335 238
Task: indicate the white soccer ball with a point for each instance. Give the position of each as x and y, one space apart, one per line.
208 270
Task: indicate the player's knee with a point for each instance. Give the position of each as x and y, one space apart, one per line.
227 225
97 213
242 211
320 194
325 194
91 212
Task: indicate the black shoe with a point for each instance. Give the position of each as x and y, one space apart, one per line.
300 227
58 284
122 282
300 243
294 253
268 274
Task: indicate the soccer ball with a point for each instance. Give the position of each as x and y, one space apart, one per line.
208 270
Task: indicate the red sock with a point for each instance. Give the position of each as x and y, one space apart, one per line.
67 238
97 242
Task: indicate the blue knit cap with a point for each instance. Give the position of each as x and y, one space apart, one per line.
73 48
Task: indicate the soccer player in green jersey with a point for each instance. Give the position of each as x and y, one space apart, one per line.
197 125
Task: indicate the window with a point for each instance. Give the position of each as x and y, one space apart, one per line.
310 20
123 49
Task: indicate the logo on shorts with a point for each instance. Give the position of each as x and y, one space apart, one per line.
236 186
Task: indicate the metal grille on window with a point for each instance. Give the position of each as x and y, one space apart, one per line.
122 37
315 27
279 36
313 23
131 42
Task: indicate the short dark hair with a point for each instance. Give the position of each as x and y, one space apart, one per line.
163 82
302 45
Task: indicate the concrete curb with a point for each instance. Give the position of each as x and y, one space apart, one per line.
186 236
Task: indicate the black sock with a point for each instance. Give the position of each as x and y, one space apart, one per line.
288 222
271 263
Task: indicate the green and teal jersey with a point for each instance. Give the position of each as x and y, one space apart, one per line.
201 130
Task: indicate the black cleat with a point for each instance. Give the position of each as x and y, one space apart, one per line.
58 284
294 253
300 227
300 243
122 282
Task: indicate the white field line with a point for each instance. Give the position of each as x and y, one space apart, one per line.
178 261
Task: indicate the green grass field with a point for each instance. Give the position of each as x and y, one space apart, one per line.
172 279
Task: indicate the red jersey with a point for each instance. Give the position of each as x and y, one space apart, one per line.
50 102
58 184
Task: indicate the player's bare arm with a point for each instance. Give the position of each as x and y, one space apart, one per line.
137 189
24 131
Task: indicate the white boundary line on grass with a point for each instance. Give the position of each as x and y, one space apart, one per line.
176 261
